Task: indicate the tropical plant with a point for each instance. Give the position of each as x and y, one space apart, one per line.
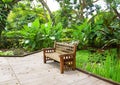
31 35
81 33
108 29
7 5
36 36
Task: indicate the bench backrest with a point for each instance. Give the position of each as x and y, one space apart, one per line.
65 48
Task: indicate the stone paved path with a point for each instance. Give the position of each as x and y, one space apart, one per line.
30 70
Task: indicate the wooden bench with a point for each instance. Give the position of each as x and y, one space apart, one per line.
63 53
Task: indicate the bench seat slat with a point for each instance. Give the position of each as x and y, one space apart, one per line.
53 56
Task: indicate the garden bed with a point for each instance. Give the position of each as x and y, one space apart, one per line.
100 77
103 64
15 52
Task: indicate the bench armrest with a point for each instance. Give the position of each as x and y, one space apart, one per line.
68 60
48 50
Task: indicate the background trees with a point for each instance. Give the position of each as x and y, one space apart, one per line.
18 14
5 7
82 20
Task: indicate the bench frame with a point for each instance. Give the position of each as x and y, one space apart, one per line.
67 60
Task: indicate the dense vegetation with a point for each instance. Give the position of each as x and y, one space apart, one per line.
30 26
101 63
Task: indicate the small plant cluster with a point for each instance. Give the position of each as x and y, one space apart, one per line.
13 52
104 64
6 53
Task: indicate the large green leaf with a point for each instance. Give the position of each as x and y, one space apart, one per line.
36 24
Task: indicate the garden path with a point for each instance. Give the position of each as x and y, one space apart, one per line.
31 70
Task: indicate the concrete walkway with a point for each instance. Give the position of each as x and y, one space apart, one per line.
30 70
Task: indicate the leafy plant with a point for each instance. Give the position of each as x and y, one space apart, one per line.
31 35
81 33
36 36
57 31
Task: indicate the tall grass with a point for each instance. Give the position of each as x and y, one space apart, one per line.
104 64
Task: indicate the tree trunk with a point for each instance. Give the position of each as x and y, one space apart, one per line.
117 13
50 13
45 14
82 6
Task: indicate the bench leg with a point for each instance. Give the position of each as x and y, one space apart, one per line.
74 64
44 59
61 65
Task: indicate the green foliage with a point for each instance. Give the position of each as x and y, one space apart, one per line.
112 3
4 10
31 35
99 31
36 36
66 35
57 31
83 31
6 53
89 31
97 58
20 30
24 13
104 64
82 58
11 39
7 1
110 28
13 51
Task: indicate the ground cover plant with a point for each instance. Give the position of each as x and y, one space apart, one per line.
104 64
6 53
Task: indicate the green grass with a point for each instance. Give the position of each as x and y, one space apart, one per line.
104 64
82 58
